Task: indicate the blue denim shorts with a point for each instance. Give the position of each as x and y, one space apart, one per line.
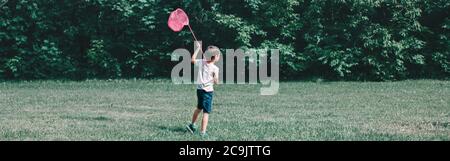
204 100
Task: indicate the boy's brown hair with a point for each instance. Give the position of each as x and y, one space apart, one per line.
214 51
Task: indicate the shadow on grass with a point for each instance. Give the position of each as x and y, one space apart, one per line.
173 129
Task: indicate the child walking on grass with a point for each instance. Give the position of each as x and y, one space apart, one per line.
208 75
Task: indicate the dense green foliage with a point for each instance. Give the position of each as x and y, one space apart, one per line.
333 39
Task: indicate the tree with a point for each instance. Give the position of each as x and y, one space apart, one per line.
334 39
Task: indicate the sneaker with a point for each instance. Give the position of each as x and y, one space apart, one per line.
203 134
191 128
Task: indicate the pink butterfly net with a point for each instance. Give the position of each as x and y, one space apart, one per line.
178 19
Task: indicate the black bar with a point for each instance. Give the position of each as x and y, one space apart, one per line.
222 150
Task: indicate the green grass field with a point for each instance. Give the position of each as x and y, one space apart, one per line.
159 110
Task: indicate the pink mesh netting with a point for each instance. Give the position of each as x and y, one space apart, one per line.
177 20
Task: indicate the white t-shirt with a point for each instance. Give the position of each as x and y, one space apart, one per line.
206 74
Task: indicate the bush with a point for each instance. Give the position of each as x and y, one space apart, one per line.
334 39
100 63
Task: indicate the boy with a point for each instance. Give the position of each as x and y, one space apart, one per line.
208 75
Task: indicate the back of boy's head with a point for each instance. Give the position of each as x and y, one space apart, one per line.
214 51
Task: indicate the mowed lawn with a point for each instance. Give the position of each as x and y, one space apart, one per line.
159 110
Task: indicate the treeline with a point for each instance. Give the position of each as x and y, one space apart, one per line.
331 39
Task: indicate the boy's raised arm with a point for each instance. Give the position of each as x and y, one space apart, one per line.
194 56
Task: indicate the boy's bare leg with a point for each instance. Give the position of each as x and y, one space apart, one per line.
195 116
204 122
